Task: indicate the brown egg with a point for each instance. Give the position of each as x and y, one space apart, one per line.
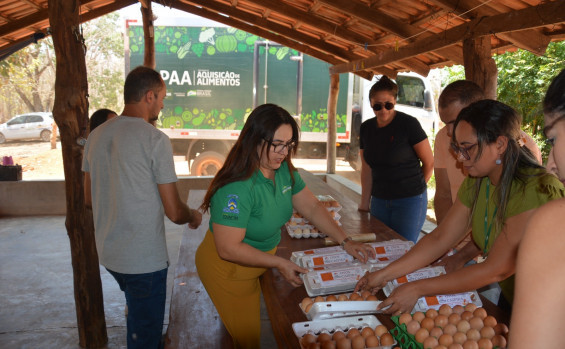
387 339
404 318
471 307
445 339
445 309
428 323
342 297
328 345
419 316
454 318
324 337
480 312
331 298
466 315
353 333
450 329
469 344
436 332
499 341
459 337
380 330
338 335
412 326
319 299
441 347
367 332
372 298
501 328
307 339
441 320
343 343
355 297
358 342
308 307
365 294
314 346
455 346
421 335
473 334
476 322
430 343
431 313
487 332
305 302
484 343
463 326
372 341
490 321
458 309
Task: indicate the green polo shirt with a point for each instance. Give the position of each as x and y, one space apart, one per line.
258 205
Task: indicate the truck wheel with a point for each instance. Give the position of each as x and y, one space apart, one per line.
45 135
207 164
355 163
2 138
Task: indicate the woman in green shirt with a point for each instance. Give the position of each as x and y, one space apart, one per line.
504 187
250 199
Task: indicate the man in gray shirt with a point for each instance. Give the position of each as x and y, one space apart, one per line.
130 183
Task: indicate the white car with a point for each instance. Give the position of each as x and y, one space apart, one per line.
28 126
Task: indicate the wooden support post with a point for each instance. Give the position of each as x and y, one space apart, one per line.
148 33
480 67
332 123
70 112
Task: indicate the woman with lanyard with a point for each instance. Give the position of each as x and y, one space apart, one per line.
250 199
505 186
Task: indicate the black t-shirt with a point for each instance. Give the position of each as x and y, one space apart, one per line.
389 151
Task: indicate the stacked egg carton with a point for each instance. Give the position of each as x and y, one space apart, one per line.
299 227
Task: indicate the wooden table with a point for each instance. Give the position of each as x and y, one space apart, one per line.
282 299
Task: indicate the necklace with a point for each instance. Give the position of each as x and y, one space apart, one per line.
488 227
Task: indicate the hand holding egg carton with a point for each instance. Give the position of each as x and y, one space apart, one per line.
340 305
299 227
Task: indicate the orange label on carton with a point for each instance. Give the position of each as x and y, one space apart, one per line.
327 276
383 259
380 250
402 280
318 261
432 301
309 252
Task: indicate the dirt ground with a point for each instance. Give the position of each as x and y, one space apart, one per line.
37 159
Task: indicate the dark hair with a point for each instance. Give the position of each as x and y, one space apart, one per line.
491 119
243 159
384 84
139 81
554 100
98 118
462 91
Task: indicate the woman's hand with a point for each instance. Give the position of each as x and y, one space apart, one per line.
401 300
291 272
359 250
450 263
371 282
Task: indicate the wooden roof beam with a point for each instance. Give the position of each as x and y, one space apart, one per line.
532 17
32 4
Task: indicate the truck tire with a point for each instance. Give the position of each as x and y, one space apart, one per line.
207 164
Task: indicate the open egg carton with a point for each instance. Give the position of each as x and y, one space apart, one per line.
433 302
340 305
299 227
351 328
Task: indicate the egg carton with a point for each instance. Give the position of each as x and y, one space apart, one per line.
337 324
338 280
333 309
329 202
297 219
433 302
306 231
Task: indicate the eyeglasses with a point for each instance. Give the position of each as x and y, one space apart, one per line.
280 147
379 106
464 151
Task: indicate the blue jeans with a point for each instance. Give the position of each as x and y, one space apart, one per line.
406 216
146 295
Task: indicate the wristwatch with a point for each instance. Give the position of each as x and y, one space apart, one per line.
344 241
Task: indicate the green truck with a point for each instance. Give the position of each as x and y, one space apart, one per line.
216 75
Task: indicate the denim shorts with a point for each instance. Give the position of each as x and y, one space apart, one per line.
406 216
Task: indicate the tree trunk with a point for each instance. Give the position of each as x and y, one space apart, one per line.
480 67
70 111
332 122
148 33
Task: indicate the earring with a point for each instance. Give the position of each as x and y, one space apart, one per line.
498 161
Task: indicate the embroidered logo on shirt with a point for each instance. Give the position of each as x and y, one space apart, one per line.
231 206
287 188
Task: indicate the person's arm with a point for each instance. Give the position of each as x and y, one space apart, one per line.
309 206
539 299
175 209
442 197
500 264
230 247
366 184
427 250
87 190
426 156
457 260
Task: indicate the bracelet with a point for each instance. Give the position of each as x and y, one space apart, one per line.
346 240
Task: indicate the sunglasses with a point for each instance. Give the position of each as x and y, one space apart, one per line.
379 106
464 151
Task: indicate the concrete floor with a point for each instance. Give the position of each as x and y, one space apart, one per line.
37 308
